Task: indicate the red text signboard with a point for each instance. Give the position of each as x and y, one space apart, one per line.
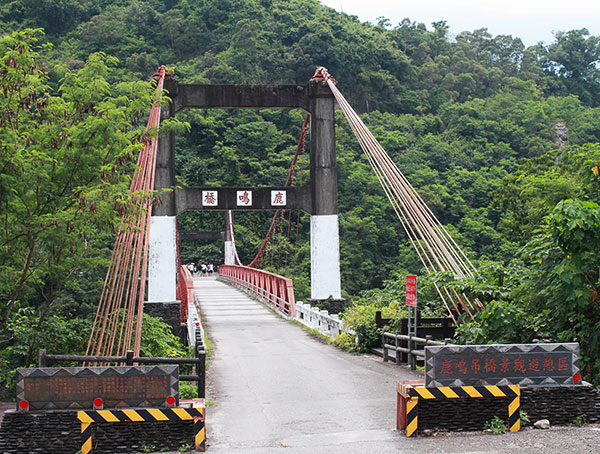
411 290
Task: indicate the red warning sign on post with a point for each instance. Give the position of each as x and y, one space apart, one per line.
411 290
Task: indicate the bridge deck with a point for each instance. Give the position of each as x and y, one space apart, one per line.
277 386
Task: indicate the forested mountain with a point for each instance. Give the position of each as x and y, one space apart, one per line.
500 141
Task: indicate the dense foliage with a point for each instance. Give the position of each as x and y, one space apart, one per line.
65 164
500 141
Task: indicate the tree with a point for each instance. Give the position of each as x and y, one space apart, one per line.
64 166
574 57
55 16
563 284
575 54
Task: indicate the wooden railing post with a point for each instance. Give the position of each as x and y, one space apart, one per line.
398 354
201 371
404 330
383 338
42 358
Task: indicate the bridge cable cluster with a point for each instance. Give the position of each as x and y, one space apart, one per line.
436 249
122 298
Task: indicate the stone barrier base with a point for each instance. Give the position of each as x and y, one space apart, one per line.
331 305
560 405
59 431
170 313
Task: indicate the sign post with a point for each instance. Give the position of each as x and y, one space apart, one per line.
411 303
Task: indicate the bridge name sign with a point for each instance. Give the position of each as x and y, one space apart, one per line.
541 364
46 388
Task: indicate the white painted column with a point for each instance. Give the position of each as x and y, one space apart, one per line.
229 256
325 280
162 260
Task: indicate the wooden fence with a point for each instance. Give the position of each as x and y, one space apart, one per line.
406 349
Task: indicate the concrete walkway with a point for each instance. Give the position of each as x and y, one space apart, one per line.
276 386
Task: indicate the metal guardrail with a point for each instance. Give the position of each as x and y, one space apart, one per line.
184 291
405 348
275 290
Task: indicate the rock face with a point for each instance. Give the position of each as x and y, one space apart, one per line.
542 424
562 134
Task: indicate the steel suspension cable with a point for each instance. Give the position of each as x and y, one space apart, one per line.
435 247
122 297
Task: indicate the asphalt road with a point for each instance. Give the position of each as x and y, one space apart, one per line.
275 388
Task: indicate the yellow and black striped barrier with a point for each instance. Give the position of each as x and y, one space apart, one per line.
89 417
413 394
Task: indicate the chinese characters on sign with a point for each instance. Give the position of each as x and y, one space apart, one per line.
79 386
210 198
530 364
278 198
503 366
411 290
244 198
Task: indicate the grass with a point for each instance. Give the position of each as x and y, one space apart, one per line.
496 425
580 420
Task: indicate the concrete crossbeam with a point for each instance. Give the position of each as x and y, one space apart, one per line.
191 198
238 96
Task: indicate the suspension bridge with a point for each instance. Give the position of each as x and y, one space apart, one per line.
255 350
271 384
147 241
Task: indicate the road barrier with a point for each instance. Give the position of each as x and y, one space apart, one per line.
199 363
87 418
409 350
406 349
195 330
409 394
321 320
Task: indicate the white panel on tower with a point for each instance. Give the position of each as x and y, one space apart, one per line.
162 260
325 257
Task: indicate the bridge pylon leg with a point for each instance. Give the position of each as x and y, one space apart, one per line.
324 228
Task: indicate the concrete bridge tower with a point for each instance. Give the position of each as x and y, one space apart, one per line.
318 198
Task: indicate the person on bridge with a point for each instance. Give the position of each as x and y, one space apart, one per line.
192 268
204 269
211 269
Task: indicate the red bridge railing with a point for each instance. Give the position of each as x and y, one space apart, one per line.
276 290
185 291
